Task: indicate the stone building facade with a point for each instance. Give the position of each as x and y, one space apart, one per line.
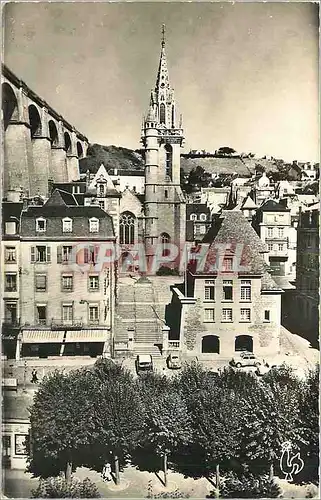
64 302
224 308
306 313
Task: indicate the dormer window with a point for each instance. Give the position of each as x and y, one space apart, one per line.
76 189
203 217
193 217
101 189
67 225
93 225
41 225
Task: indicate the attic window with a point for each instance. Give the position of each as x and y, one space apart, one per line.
193 217
93 225
40 225
76 189
203 217
67 225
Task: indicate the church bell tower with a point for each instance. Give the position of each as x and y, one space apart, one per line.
162 138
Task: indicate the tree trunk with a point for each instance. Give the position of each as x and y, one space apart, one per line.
217 476
165 470
68 471
116 464
271 475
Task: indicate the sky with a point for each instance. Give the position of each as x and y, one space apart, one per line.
245 75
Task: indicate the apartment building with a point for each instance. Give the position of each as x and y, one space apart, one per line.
64 306
225 308
306 312
272 223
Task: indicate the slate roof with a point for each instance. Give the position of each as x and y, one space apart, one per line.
244 167
273 206
232 228
65 211
197 208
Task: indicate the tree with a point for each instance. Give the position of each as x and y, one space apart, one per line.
61 422
225 150
167 424
309 415
118 413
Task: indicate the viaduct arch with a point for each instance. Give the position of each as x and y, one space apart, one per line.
39 144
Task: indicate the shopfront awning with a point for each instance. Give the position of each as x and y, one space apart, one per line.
86 335
42 336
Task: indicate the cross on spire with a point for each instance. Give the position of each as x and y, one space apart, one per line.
163 35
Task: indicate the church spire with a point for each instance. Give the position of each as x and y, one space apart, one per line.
162 81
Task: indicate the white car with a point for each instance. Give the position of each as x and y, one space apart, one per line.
174 361
245 358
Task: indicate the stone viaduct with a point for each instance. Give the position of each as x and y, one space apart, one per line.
39 144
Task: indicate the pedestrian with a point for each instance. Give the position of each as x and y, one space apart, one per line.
107 472
34 376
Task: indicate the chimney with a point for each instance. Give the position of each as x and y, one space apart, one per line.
50 186
87 180
115 171
14 195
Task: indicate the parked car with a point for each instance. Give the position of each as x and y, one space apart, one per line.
174 361
245 358
144 363
263 369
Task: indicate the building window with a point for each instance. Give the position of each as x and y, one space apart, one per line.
67 282
93 314
101 204
169 156
67 313
166 193
202 229
280 232
270 232
270 247
90 253
280 247
209 290
193 217
93 283
162 113
245 315
41 282
101 189
64 254
40 225
10 312
6 446
10 282
76 189
40 254
20 444
11 228
227 315
227 290
267 315
203 217
67 225
209 315
10 254
41 311
245 290
165 240
127 228
93 225
227 264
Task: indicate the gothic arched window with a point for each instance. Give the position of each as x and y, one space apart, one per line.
162 116
127 228
173 116
165 239
169 155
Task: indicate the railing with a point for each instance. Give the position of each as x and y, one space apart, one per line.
63 323
173 344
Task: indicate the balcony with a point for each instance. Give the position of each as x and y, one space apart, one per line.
59 323
278 253
8 323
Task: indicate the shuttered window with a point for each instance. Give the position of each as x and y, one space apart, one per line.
41 282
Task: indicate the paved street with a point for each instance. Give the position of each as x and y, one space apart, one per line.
135 484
